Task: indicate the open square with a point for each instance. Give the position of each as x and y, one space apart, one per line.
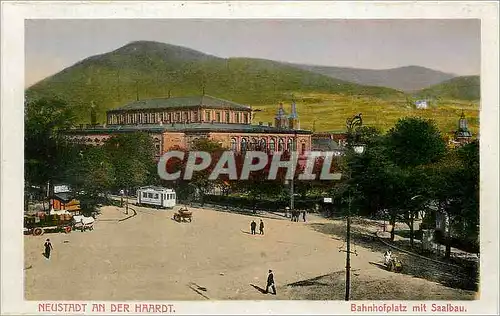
152 257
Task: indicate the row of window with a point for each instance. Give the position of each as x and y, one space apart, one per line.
166 196
178 117
255 144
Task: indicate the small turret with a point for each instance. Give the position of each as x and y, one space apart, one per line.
281 119
463 135
293 118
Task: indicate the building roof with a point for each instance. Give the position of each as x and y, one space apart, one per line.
325 144
63 196
182 102
293 114
189 127
155 188
280 114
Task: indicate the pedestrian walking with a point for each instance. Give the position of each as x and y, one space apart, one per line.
270 282
261 227
304 215
253 226
48 248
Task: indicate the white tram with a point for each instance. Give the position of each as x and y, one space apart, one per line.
156 196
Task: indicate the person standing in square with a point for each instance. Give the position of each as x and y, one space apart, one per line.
261 227
270 282
48 248
253 227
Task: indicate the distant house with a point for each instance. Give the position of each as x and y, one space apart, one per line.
422 104
64 201
58 188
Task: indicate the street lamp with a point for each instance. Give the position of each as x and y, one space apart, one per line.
126 202
358 148
122 193
291 196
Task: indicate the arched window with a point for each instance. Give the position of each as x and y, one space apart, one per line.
303 147
234 144
253 144
272 144
281 144
263 144
243 144
289 146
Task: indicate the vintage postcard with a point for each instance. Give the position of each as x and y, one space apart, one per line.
249 158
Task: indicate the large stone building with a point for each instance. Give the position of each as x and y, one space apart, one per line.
177 122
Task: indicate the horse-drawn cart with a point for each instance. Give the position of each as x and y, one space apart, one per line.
41 223
83 223
183 215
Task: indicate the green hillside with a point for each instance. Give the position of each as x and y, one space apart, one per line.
328 112
459 88
151 69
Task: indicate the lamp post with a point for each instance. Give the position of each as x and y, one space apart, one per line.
351 124
126 202
122 193
292 193
290 183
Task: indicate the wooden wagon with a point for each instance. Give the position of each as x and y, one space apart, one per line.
42 223
183 215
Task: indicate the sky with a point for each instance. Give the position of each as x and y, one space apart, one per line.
451 46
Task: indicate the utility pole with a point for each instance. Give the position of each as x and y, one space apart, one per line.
292 197
351 123
348 253
126 203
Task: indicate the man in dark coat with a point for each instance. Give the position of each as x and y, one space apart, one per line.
261 227
48 248
253 226
270 282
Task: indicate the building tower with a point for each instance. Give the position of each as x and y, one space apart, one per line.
293 118
463 135
280 120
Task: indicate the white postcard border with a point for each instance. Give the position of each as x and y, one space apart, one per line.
12 142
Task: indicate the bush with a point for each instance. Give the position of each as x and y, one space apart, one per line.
260 204
471 246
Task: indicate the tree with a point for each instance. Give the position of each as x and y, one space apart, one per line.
132 157
90 175
199 184
45 149
455 185
415 141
